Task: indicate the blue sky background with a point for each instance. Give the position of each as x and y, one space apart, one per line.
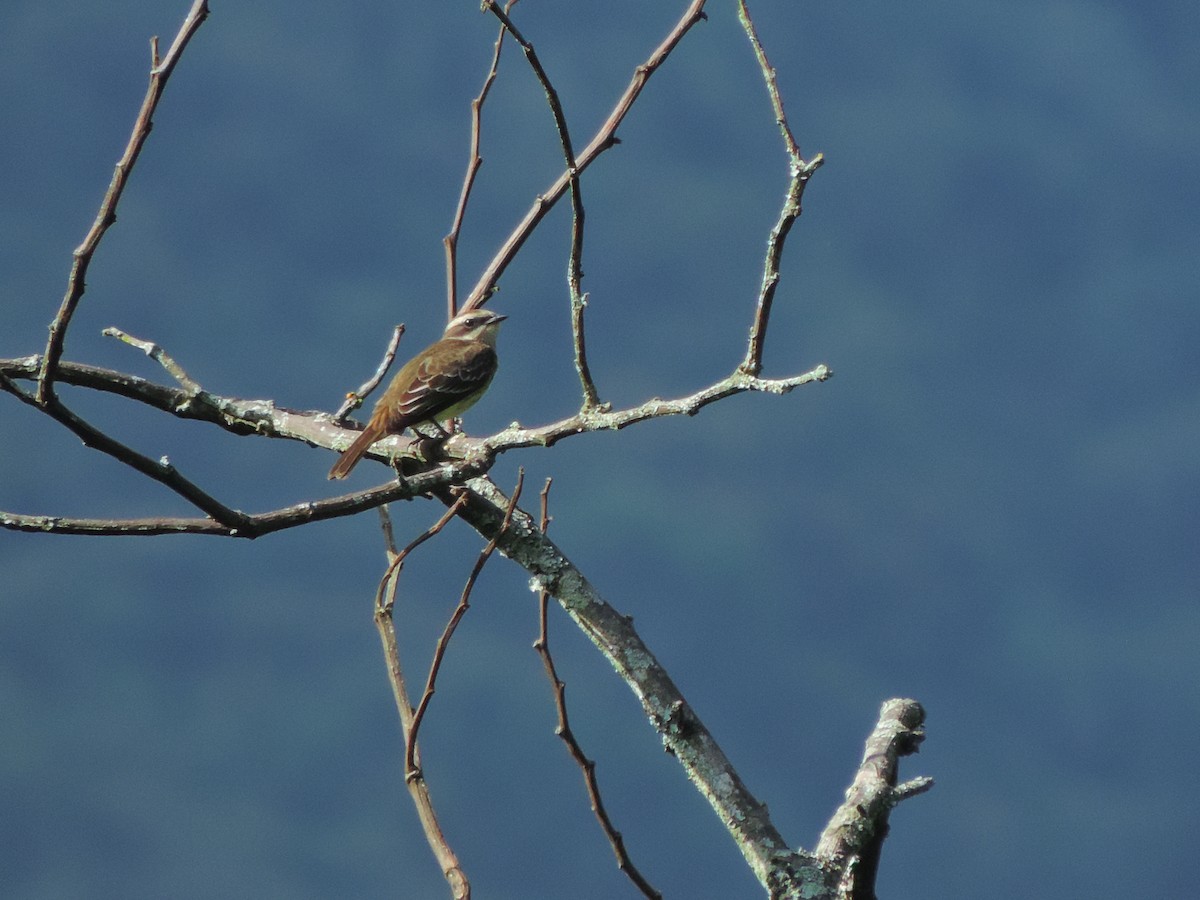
992 507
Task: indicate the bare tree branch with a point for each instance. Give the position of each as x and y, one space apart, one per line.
418 788
239 416
614 420
853 839
469 457
159 355
450 241
563 730
254 525
682 732
801 171
604 139
768 72
355 399
159 470
785 872
464 603
160 72
575 259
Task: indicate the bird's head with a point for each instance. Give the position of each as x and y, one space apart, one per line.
474 325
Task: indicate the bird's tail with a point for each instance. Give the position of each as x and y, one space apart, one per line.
349 459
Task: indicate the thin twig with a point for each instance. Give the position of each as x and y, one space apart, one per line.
418 788
604 139
389 536
800 171
355 398
515 435
579 302
912 788
544 520
575 259
411 768
159 355
563 730
397 558
793 149
160 470
160 72
450 241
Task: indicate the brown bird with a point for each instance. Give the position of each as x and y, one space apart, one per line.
442 381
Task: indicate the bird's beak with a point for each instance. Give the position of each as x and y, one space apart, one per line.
496 318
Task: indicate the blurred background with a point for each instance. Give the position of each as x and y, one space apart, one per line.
992 506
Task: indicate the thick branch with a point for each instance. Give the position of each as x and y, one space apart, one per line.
853 839
844 865
242 416
682 732
469 457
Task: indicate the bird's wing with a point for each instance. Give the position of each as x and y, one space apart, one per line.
455 376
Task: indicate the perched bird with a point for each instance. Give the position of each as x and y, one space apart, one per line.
442 381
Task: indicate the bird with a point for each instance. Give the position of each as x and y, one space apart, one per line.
442 381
